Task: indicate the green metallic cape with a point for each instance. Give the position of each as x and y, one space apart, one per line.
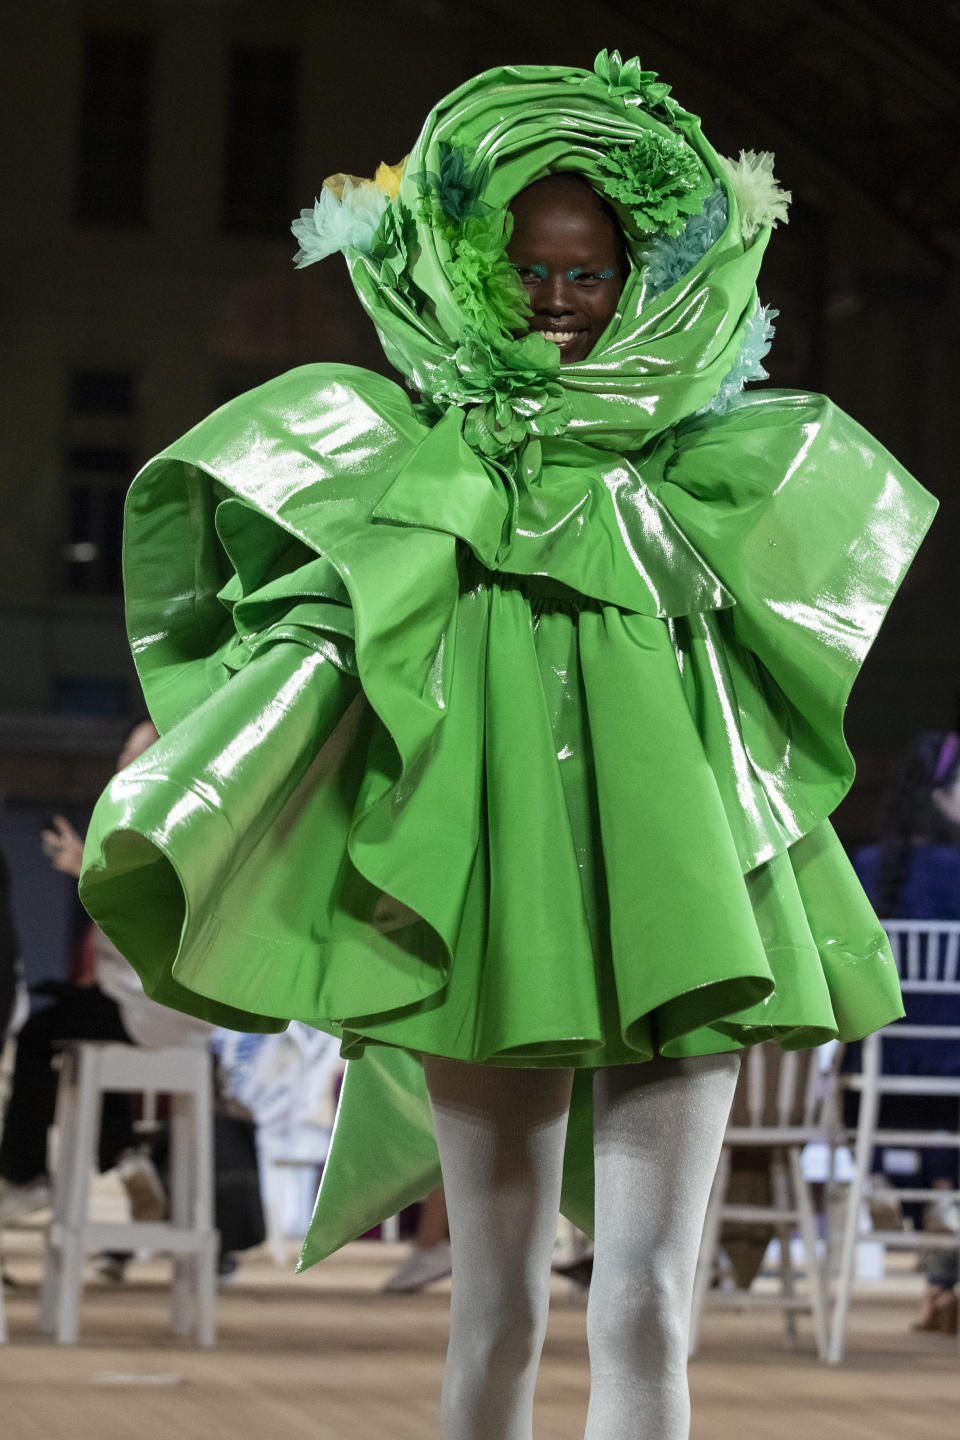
506 727
362 733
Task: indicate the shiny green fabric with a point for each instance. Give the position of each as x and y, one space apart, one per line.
516 749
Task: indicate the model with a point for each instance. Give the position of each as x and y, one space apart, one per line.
501 714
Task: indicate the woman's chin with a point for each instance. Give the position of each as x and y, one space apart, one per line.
580 351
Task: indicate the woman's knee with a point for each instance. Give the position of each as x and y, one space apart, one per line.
498 1331
643 1310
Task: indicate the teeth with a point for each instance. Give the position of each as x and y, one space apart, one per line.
560 336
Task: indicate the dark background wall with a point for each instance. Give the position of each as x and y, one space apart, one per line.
152 153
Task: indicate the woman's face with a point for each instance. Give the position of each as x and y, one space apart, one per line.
568 251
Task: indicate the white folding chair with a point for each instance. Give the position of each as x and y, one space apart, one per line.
927 954
784 1102
89 1070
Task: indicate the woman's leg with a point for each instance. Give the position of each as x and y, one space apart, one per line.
501 1135
657 1134
84 1013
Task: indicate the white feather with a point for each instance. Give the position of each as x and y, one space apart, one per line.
760 199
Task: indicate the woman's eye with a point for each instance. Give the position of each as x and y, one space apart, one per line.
589 278
530 275
586 279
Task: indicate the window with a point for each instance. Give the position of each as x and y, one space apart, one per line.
261 130
113 130
99 464
86 695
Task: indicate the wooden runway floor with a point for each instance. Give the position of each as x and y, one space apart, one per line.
325 1355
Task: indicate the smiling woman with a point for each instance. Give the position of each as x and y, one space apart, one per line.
567 249
500 726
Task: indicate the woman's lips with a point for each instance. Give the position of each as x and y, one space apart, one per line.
572 344
562 338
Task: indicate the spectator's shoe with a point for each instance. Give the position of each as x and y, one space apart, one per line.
138 1175
19 1200
421 1267
939 1312
942 1217
579 1271
112 1265
228 1268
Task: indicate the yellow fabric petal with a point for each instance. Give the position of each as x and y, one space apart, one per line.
388 177
337 182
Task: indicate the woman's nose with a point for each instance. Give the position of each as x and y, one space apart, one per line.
553 296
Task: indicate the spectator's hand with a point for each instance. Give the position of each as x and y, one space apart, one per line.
63 847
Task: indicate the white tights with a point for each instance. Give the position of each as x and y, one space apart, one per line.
657 1134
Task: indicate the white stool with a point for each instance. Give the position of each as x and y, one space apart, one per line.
184 1073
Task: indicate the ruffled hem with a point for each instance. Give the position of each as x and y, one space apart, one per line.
538 899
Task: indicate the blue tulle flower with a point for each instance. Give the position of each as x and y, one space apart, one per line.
670 257
757 338
332 224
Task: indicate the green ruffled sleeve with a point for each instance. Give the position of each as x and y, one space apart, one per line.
811 525
252 566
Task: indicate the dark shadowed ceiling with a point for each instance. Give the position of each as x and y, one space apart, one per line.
865 91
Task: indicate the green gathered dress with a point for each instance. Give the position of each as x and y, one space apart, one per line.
522 757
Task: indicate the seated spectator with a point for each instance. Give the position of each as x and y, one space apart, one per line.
8 953
913 873
107 1003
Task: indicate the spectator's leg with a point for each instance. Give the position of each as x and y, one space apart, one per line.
83 1014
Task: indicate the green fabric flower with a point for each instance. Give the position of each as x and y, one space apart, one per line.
454 186
389 246
659 178
483 281
628 79
509 392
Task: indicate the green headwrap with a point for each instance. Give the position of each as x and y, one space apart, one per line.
436 282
